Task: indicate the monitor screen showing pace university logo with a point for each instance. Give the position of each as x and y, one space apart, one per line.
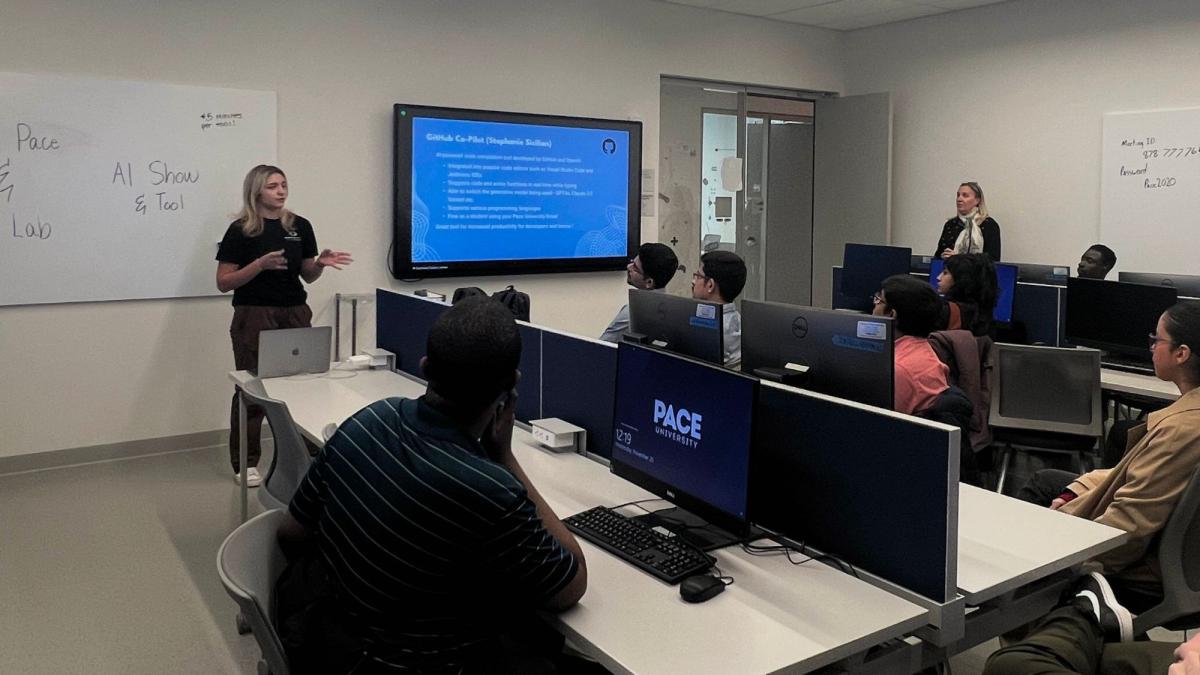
685 425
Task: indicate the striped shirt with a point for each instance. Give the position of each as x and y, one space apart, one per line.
433 547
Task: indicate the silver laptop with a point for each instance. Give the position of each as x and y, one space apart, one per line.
291 351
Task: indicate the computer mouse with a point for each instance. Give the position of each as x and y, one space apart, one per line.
700 587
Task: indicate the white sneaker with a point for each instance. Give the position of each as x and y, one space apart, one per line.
253 477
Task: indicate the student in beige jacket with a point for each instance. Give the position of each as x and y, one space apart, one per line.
1139 493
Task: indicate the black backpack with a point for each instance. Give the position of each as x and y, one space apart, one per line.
516 302
465 292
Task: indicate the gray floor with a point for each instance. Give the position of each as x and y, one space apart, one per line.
111 568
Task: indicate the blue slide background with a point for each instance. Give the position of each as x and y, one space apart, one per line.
599 221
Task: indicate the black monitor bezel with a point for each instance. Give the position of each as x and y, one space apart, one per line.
861 298
401 254
1190 289
714 515
1141 351
638 297
797 311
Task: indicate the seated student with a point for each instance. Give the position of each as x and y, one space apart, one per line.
1139 493
651 269
1090 634
1096 262
968 283
721 278
920 375
437 548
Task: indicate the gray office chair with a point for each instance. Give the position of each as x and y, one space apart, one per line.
291 458
249 562
1179 558
1046 399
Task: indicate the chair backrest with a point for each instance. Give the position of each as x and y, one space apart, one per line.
249 562
1179 559
1053 389
970 359
290 461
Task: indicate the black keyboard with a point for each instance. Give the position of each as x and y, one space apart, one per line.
637 544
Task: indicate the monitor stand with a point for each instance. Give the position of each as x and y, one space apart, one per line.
690 528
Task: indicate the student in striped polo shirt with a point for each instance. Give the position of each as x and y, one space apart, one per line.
437 548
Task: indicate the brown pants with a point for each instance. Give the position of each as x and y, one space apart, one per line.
248 322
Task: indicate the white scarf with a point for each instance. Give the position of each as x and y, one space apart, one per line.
970 240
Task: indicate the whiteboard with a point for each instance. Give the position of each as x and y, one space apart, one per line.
120 190
1150 190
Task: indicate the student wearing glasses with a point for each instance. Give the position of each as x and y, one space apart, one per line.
721 278
1139 493
651 270
971 230
920 376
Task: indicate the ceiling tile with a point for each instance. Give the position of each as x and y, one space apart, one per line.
880 18
768 7
838 14
960 4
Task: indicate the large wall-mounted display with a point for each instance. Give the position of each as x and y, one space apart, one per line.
480 192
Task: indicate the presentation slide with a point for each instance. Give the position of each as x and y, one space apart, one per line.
685 424
502 191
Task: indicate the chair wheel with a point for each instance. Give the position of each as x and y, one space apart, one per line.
243 628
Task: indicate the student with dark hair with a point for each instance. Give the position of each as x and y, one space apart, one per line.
971 230
1096 262
1139 493
968 283
920 375
651 270
437 548
721 278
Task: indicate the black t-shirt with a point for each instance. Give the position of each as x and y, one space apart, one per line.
272 288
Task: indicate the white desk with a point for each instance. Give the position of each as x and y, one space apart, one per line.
1005 543
1147 386
777 616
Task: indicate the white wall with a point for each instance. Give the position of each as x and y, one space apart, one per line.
87 374
1012 95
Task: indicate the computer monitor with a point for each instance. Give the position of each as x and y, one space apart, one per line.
1185 285
1006 287
682 325
920 263
682 430
865 266
854 482
837 353
1037 273
1115 316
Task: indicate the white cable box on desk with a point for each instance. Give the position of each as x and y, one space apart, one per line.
558 435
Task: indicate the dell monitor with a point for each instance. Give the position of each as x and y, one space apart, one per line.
837 353
865 266
1006 287
919 264
1036 273
682 325
1115 316
1186 286
682 430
